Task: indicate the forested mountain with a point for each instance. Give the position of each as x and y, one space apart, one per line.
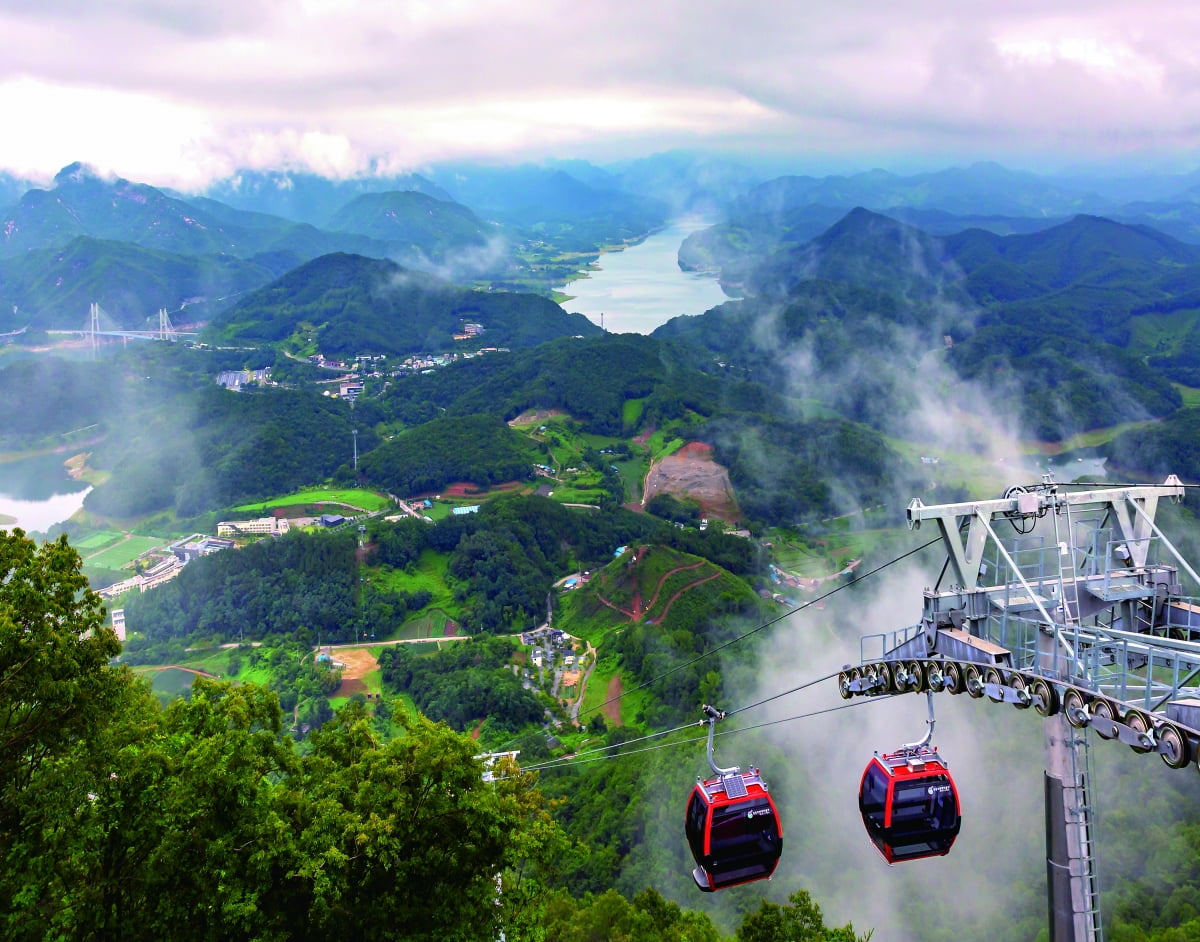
348 304
548 203
784 469
863 249
1050 311
413 225
298 585
479 449
53 288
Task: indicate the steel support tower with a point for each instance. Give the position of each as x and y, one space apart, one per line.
1067 600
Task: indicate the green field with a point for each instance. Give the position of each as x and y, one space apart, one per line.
430 624
631 412
351 497
124 552
429 573
596 693
633 473
98 540
170 681
1191 395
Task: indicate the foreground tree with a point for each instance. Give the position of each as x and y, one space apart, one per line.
122 819
55 686
799 920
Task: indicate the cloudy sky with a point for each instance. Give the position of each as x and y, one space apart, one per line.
180 91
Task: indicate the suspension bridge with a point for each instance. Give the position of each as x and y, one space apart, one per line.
101 324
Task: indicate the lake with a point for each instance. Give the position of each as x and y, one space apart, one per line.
641 287
38 493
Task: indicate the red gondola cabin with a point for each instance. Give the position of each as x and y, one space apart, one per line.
909 804
733 830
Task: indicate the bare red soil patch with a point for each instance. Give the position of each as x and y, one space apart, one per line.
612 709
350 687
701 450
461 489
691 472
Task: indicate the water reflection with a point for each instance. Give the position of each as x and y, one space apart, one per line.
38 492
642 287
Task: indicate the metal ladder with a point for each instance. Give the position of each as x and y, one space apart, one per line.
1084 815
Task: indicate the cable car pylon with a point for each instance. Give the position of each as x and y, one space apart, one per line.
1065 599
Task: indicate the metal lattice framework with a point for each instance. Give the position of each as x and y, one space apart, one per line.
1067 601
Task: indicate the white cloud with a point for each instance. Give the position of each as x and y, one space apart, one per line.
348 84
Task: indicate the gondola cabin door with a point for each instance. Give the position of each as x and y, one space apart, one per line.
733 830
909 805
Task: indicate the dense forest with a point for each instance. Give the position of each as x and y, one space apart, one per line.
300 585
478 449
465 685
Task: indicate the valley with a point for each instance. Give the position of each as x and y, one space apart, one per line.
381 499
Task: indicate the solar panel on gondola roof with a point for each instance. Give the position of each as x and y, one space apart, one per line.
734 786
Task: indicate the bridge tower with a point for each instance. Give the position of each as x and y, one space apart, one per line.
1067 600
93 325
166 330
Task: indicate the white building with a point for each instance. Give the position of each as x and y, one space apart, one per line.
263 526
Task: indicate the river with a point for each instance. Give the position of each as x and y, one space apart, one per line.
36 493
641 287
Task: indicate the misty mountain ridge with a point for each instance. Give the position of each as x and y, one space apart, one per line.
413 224
82 203
865 249
53 288
981 189
1051 311
308 197
351 304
